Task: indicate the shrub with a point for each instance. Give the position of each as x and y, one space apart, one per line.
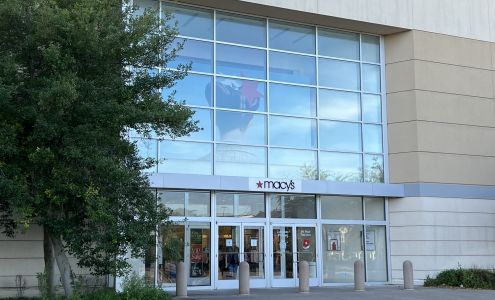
468 278
136 288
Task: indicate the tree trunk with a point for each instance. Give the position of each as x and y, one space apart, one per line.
63 266
49 264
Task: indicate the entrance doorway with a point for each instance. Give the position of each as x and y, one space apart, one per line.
239 242
291 244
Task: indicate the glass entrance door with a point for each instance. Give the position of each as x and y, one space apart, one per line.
291 244
239 242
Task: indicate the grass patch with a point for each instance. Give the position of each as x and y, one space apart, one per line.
465 278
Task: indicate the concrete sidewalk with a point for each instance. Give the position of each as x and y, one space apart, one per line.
344 293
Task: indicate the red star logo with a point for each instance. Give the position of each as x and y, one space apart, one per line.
259 184
250 92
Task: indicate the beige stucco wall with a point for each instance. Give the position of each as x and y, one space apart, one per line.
441 233
440 108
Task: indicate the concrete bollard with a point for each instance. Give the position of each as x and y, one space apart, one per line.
303 277
407 269
359 276
244 278
181 280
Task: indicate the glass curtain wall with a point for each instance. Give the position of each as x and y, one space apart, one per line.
274 99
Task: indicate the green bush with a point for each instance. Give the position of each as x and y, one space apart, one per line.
468 278
136 288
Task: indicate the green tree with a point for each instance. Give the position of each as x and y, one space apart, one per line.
73 80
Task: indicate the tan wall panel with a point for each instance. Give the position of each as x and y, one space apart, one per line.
403 137
400 76
399 47
404 167
451 79
441 218
443 248
401 107
34 233
451 50
21 249
22 266
426 233
435 204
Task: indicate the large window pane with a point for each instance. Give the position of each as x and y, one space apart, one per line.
285 36
240 205
194 89
342 246
175 201
371 78
292 100
338 74
374 209
205 118
340 136
372 108
147 148
240 127
253 30
339 105
141 5
292 68
338 44
241 94
376 254
199 53
341 208
372 138
189 204
192 22
293 206
371 48
235 160
340 166
170 249
295 164
185 157
373 168
292 132
241 61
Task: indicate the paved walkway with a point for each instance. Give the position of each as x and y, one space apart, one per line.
345 293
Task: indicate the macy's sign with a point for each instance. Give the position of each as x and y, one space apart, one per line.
274 185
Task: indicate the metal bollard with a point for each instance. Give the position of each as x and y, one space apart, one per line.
407 269
244 278
181 280
303 277
359 276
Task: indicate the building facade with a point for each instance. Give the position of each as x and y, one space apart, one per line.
332 131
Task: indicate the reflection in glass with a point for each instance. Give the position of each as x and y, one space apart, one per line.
175 201
240 94
199 254
254 253
293 206
306 248
341 208
147 148
372 138
340 136
339 105
240 127
371 78
241 61
141 5
171 250
228 252
293 68
189 204
374 209
376 254
283 256
236 160
294 164
338 74
292 100
373 168
197 204
371 48
286 36
185 157
372 108
194 89
240 205
230 26
338 44
192 22
340 166
205 118
292 132
342 246
199 53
